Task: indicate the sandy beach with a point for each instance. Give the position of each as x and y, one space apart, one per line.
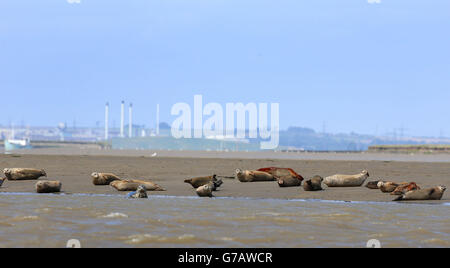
170 172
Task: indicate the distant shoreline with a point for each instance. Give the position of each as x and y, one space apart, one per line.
88 150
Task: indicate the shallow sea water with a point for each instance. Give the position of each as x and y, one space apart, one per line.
32 220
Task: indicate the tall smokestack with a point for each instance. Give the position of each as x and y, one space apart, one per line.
122 119
130 126
157 119
106 121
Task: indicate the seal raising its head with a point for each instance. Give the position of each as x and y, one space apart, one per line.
435 193
314 184
141 192
205 190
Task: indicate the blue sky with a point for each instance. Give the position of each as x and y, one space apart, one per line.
356 66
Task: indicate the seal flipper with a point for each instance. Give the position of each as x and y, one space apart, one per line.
399 198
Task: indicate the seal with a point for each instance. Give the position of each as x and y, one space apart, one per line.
103 178
373 185
314 184
404 188
282 172
132 185
289 181
200 181
387 186
205 190
20 174
2 180
347 180
141 192
253 176
434 193
45 187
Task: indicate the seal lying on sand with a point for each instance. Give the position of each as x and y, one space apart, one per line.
282 172
103 178
289 181
372 185
19 174
387 186
205 190
435 193
45 187
404 188
314 184
200 181
346 180
141 192
132 185
253 176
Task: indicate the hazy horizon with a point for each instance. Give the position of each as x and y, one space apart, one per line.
344 67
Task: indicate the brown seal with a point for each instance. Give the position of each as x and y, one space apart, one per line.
372 185
404 188
205 190
434 193
289 181
103 178
200 181
389 186
314 184
132 185
253 176
282 172
45 187
19 174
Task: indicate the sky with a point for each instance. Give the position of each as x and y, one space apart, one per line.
368 66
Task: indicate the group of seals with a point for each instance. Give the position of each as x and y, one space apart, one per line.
132 185
407 190
204 186
139 187
200 181
434 193
22 174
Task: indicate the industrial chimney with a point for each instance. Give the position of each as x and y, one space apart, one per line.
122 119
130 126
106 121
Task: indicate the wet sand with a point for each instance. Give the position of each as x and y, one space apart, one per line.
170 172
